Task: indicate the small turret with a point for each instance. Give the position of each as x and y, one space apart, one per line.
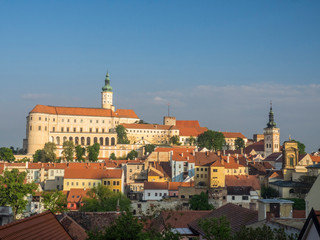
271 123
107 87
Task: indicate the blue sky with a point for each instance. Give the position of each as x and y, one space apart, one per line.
219 62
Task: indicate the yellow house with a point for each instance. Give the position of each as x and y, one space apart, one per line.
84 178
203 161
217 174
156 173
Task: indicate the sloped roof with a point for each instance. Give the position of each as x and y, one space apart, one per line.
174 186
190 128
156 185
80 111
258 147
90 173
313 218
183 156
148 126
40 226
188 123
315 158
237 217
273 157
76 195
73 228
233 135
243 180
205 158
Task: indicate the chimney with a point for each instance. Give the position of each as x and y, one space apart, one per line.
187 158
193 153
181 154
207 153
6 215
218 153
228 159
224 152
237 156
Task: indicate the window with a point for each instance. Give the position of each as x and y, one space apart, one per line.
77 183
30 127
104 182
103 130
81 121
68 120
45 119
97 121
67 129
291 161
97 129
108 182
71 183
206 169
160 194
197 175
156 194
245 197
53 129
130 170
164 194
201 169
82 183
215 170
94 184
74 129
39 128
118 183
148 194
90 121
67 183
54 119
114 183
31 118
90 129
80 129
62 120
233 197
39 118
62 129
89 183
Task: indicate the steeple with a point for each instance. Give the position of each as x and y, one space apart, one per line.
107 87
271 123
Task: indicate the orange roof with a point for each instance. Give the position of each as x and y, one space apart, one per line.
233 135
78 111
188 123
183 156
174 186
40 226
243 181
76 195
148 126
233 162
174 149
315 158
91 173
156 185
190 128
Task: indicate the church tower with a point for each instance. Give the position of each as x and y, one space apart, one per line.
271 136
290 158
107 95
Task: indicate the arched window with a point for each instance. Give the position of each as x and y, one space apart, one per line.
65 139
88 141
70 138
107 141
95 140
113 141
82 141
51 139
101 141
76 140
58 140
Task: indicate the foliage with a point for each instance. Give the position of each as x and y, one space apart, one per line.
127 226
299 203
239 143
175 140
303 185
192 140
122 135
132 155
93 152
13 190
269 192
263 233
68 150
6 154
80 151
55 201
149 148
102 199
211 140
301 147
49 150
39 156
200 202
216 228
25 159
112 156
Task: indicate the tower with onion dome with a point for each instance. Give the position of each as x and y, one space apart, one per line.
107 95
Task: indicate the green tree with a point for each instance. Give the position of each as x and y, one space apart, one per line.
149 148
175 140
39 156
102 199
239 143
216 228
49 150
211 140
192 140
68 150
269 192
93 152
13 190
112 156
132 155
303 185
122 135
200 202
301 147
55 201
80 151
6 154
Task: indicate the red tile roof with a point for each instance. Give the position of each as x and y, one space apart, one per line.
73 228
315 158
233 135
190 128
174 186
205 158
40 226
258 147
78 111
148 126
76 195
91 173
174 149
243 181
156 185
183 156
236 216
188 123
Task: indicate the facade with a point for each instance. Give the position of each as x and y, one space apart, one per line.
230 138
83 126
271 136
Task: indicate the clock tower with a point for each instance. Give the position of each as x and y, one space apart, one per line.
271 136
107 95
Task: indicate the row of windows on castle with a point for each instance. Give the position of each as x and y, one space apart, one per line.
68 129
147 131
74 120
86 141
106 183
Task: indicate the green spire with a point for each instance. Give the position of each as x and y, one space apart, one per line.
271 123
107 87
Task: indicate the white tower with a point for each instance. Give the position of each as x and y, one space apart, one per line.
107 95
271 136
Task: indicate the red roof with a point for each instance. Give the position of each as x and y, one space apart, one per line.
190 128
76 195
91 173
148 126
315 158
258 147
243 181
174 186
40 226
233 135
78 111
156 185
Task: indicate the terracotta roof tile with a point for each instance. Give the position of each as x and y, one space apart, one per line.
233 135
315 158
243 180
73 228
174 186
148 126
258 147
76 195
156 185
205 158
188 123
79 111
91 173
40 226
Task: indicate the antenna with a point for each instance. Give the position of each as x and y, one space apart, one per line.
168 109
271 104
